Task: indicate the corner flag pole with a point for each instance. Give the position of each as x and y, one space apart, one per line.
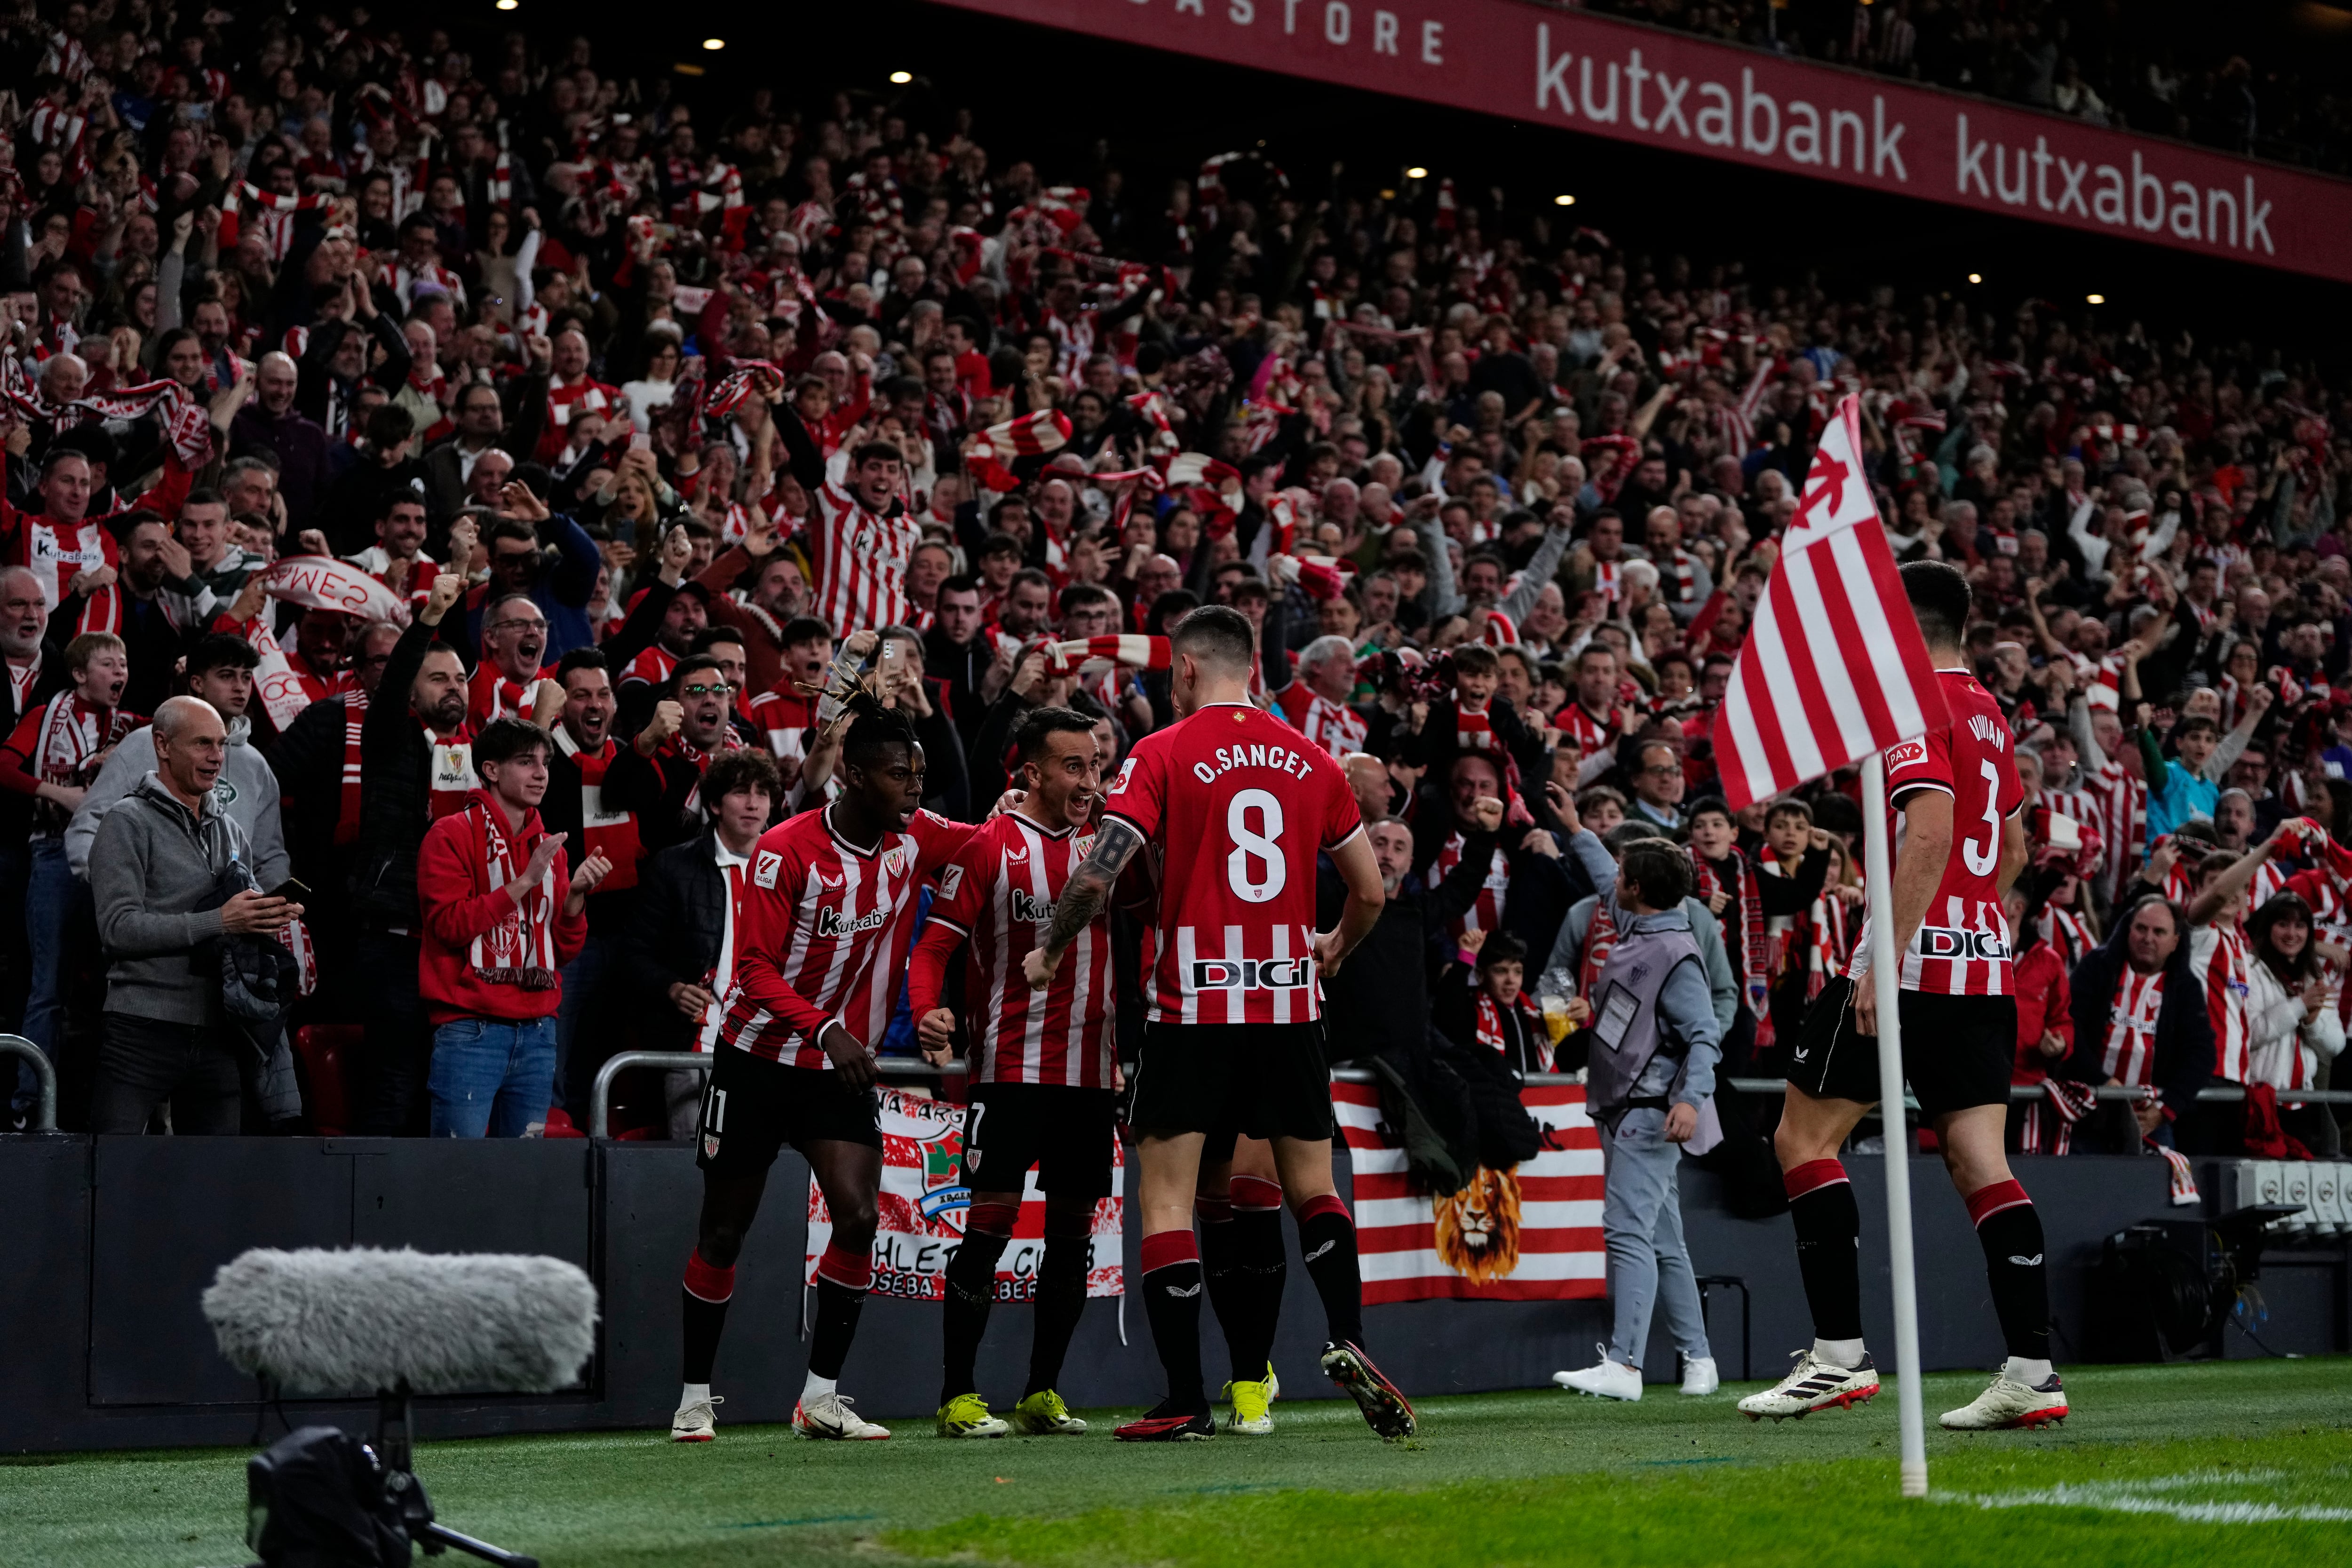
1886 980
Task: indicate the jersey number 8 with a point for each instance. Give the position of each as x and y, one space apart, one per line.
1255 869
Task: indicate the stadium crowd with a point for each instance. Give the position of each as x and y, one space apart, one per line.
414 454
2100 64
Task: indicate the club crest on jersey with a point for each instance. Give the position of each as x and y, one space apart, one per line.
1084 846
1949 941
1907 755
950 881
764 869
1253 974
710 1146
894 859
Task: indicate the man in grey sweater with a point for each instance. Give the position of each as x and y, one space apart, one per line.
156 876
220 671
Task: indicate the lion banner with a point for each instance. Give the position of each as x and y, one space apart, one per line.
924 1201
1526 1234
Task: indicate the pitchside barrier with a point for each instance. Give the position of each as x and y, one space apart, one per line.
111 1240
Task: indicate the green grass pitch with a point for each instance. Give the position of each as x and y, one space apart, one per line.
2247 1464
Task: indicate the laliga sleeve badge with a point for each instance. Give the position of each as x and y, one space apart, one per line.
950 881
764 869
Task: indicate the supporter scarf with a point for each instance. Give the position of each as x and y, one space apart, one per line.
187 428
1489 1025
1079 655
1754 984
520 950
613 833
1600 941
1030 436
1831 942
2049 1126
347 806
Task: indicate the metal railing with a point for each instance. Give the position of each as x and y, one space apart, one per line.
2223 1094
46 1116
600 1098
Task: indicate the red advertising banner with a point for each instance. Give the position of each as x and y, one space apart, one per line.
1653 87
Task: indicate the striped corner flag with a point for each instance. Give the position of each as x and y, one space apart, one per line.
1834 667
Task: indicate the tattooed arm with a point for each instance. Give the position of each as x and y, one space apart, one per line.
1084 896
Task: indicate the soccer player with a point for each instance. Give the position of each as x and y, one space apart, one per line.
826 891
1042 1076
1963 842
1237 805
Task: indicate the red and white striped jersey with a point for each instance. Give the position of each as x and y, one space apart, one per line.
1000 892
2123 823
861 560
1333 726
785 717
653 667
1232 798
1592 734
1962 947
2217 960
2129 1052
824 932
1487 914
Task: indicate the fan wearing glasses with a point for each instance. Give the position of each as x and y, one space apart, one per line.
657 774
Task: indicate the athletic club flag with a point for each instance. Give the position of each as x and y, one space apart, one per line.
924 1202
1834 667
1529 1233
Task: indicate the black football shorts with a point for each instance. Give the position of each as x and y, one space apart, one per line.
1957 1050
1261 1080
752 1107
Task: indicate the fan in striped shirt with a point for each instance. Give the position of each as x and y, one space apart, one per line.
860 532
1041 1069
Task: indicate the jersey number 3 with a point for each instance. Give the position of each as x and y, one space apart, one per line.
1980 863
1255 869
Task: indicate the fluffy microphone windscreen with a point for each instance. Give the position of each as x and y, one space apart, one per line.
352 1321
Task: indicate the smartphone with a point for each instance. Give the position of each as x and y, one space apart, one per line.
293 889
887 657
640 441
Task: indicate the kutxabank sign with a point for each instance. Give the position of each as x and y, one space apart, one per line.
1650 87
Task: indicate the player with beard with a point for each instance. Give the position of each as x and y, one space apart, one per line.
823 903
1043 1074
657 774
1233 1040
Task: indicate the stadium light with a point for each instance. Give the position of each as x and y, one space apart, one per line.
1976 276
900 78
1416 173
714 45
1564 200
2094 298
508 4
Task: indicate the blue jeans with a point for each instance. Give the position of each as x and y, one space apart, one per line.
581 984
53 897
490 1077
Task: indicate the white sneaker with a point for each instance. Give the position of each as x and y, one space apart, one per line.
2009 1402
1606 1381
693 1423
1698 1376
1813 1384
829 1415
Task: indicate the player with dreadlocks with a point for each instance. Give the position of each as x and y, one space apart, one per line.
822 902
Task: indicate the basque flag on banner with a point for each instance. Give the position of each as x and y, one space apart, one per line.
1834 668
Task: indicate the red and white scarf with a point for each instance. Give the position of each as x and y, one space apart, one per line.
1030 436
1600 941
1489 1027
1755 983
520 950
347 804
73 732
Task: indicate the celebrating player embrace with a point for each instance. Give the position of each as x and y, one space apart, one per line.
1238 805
